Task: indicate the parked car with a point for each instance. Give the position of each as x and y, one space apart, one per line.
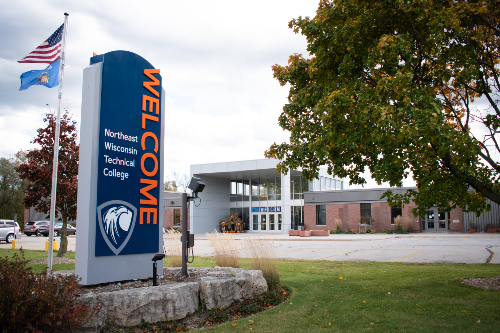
31 228
9 230
70 230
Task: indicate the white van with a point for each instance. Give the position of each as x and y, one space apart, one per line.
9 230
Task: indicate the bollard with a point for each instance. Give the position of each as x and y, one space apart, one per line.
14 244
55 247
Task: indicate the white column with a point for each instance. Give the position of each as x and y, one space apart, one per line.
286 203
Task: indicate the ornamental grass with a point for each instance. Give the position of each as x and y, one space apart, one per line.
172 247
262 255
226 249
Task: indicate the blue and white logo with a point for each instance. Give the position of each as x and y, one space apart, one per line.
116 221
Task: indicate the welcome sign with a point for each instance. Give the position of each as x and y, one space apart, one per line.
121 167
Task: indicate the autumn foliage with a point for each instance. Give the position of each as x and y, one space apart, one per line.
37 169
32 302
400 89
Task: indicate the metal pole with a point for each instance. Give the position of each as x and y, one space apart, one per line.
154 273
55 162
185 235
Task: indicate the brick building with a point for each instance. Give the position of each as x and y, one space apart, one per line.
321 209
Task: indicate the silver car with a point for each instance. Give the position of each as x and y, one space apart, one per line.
31 228
9 230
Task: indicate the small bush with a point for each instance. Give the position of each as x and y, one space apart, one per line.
384 231
398 225
172 247
349 231
493 230
226 250
38 302
338 224
362 232
263 257
408 224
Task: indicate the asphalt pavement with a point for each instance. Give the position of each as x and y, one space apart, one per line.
423 248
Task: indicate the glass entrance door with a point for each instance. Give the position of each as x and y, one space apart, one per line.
263 222
436 220
267 222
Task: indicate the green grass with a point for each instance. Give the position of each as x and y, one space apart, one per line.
423 298
34 255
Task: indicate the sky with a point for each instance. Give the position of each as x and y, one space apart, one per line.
222 103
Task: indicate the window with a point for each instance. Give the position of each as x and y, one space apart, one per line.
320 215
177 217
297 216
396 211
298 185
366 209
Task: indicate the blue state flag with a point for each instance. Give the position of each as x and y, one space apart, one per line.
48 77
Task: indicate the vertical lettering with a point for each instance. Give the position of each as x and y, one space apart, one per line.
150 135
143 168
148 212
144 191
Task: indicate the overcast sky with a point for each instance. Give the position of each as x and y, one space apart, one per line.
215 57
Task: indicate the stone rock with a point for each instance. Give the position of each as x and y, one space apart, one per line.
259 284
217 292
97 322
153 304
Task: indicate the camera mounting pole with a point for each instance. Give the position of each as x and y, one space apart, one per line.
196 185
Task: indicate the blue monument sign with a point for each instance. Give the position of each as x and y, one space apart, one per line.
120 190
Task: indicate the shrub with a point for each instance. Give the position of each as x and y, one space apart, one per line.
366 220
338 224
226 250
384 231
398 225
362 232
408 224
492 230
38 302
172 247
263 257
349 231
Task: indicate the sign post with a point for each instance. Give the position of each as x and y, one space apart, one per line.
120 193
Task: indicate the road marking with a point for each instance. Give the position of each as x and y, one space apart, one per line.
407 257
337 255
461 240
492 257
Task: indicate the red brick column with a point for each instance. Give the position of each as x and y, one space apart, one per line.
310 217
456 214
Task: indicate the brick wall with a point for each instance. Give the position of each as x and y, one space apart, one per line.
350 215
456 214
168 218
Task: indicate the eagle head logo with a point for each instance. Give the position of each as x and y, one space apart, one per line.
116 221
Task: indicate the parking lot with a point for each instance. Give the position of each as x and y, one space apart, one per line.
422 248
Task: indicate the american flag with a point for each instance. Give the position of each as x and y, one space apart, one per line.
48 51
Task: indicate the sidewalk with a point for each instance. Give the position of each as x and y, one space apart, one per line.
354 237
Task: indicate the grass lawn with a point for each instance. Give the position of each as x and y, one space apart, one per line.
34 255
371 296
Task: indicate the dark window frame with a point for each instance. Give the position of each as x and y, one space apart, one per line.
396 211
175 215
321 215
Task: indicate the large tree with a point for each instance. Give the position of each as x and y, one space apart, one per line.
11 188
37 169
397 86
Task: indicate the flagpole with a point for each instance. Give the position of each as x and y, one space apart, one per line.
56 149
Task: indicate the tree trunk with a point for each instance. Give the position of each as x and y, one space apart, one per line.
64 239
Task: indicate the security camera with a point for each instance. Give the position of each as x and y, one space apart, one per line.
196 185
158 256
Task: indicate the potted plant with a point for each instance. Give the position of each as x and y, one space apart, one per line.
293 232
305 233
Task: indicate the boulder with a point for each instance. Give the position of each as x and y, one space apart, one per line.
259 284
96 322
217 292
153 304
